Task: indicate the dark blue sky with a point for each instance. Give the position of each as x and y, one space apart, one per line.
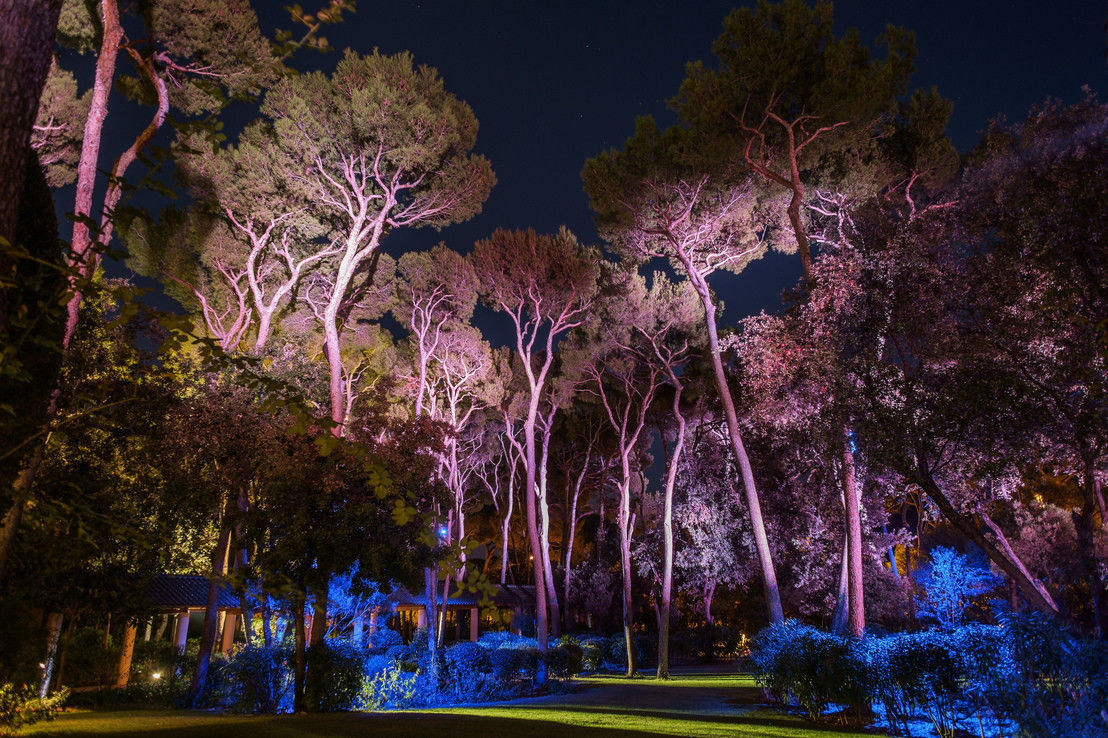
557 82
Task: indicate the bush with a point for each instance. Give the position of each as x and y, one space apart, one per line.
390 689
506 639
919 672
470 672
592 653
335 676
21 706
1062 684
256 679
89 660
573 655
383 639
1028 673
506 664
159 693
794 662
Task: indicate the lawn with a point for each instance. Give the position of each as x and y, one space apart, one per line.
691 704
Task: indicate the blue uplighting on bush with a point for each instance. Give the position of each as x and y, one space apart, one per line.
1026 673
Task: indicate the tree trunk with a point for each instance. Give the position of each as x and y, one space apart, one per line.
123 669
211 616
571 531
774 610
544 512
79 255
26 49
1085 523
53 635
1034 592
318 632
857 607
665 605
625 567
299 653
842 598
529 490
430 576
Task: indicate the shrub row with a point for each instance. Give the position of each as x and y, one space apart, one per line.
1025 672
342 677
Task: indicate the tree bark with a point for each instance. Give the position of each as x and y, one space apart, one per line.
319 614
123 669
79 253
842 598
667 532
299 653
857 609
544 512
1032 591
27 31
53 635
774 610
541 622
211 615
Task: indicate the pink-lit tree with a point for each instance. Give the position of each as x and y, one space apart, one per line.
649 205
637 340
378 145
547 285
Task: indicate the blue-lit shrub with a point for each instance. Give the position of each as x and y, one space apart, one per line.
506 639
798 664
1059 680
469 673
919 674
398 653
392 688
506 663
1027 673
253 679
382 639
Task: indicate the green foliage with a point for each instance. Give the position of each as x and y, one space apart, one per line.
1027 672
59 126
335 676
390 689
795 662
255 679
20 706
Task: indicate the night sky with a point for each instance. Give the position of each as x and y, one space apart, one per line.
555 83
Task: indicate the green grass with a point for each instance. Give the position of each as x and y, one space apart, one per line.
695 704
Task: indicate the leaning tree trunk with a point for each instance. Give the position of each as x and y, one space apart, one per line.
999 551
26 49
753 504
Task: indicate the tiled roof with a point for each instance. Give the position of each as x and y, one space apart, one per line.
178 591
